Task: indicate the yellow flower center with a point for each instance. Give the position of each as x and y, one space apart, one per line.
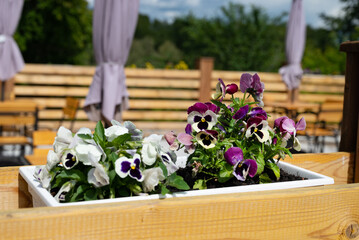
255 129
203 120
133 166
73 158
207 137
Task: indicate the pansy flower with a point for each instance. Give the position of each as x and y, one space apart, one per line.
151 178
167 159
287 127
202 116
220 90
171 139
129 167
186 140
252 85
241 113
65 188
258 128
258 112
150 149
207 139
98 175
242 168
69 159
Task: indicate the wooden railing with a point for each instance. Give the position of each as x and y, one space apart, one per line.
158 98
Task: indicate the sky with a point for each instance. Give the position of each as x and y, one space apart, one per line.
169 9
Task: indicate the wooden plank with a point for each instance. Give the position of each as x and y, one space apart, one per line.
336 165
14 140
330 212
80 91
9 120
39 79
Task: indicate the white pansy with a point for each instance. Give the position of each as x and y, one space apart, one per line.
170 165
151 179
52 159
84 150
78 140
114 131
69 159
296 144
65 188
43 176
98 176
63 140
150 149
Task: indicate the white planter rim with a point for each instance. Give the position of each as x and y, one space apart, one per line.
41 197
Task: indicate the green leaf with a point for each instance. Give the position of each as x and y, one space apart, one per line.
177 181
99 134
73 174
120 140
90 194
225 173
164 190
164 169
264 178
275 169
79 193
85 136
200 184
260 163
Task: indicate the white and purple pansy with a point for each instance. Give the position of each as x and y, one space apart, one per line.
69 159
220 90
167 159
258 128
129 167
207 139
65 188
241 168
202 116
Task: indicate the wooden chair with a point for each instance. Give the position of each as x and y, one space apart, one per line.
42 141
327 124
70 110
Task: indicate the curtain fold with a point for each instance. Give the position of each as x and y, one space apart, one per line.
114 24
295 43
11 60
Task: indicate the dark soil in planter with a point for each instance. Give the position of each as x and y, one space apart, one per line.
186 173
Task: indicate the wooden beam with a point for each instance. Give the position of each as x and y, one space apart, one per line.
349 130
206 67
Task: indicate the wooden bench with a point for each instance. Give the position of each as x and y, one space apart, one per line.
158 98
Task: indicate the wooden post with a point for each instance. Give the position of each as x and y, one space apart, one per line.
205 67
349 130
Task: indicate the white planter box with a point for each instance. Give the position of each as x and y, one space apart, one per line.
41 197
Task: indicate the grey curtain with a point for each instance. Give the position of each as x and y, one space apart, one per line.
295 42
11 60
114 24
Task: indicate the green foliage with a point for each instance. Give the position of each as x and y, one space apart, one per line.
57 31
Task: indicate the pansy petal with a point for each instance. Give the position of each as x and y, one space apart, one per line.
241 113
245 82
185 139
233 155
301 124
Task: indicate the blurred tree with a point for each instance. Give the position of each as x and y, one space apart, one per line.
238 40
57 31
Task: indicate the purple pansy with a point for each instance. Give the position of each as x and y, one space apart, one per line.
245 168
252 85
287 127
207 139
188 129
129 167
202 116
241 113
171 140
258 112
242 168
231 88
257 127
233 155
186 140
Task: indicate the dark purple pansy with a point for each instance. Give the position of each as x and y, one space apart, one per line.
207 139
258 112
198 107
212 107
188 129
241 113
245 168
233 155
129 167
